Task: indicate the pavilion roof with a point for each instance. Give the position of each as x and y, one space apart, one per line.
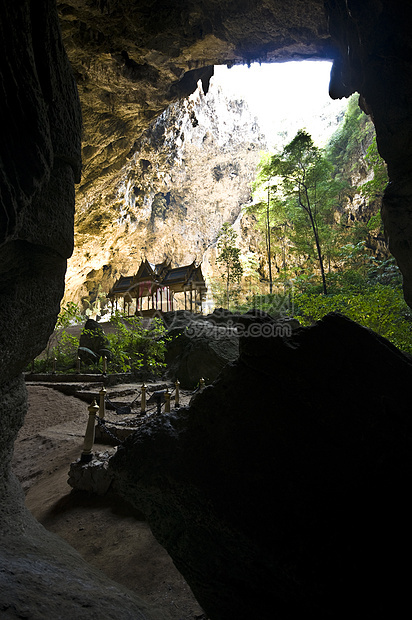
123 285
151 276
184 276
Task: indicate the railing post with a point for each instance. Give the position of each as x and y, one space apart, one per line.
201 384
102 403
167 401
78 365
54 365
177 393
104 364
143 406
87 453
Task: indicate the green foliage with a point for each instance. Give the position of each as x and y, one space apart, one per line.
354 135
218 290
132 346
298 199
270 213
385 272
378 307
70 314
278 305
136 348
374 188
65 351
229 258
305 195
375 223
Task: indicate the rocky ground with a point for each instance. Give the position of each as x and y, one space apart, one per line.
108 534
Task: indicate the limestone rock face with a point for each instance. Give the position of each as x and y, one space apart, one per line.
139 197
189 172
279 492
39 163
131 61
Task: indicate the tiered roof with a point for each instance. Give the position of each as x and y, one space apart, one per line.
150 277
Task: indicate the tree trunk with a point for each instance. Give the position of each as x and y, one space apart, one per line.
320 259
268 244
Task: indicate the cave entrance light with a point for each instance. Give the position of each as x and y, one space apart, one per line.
285 97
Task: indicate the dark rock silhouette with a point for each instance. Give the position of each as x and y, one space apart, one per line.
202 346
95 340
282 490
198 348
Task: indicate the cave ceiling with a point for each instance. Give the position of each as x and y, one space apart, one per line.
132 59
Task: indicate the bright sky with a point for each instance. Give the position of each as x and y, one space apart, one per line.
296 91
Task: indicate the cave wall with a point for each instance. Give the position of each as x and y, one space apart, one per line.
130 60
39 164
374 58
40 118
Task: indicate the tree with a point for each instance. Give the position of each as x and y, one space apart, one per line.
304 184
270 214
229 257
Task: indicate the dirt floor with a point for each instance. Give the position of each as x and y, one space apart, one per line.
108 534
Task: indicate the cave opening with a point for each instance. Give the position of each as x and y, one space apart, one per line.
285 97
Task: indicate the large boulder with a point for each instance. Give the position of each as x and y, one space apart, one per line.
203 346
281 492
93 343
198 349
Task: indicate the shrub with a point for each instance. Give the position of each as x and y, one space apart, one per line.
380 308
136 348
